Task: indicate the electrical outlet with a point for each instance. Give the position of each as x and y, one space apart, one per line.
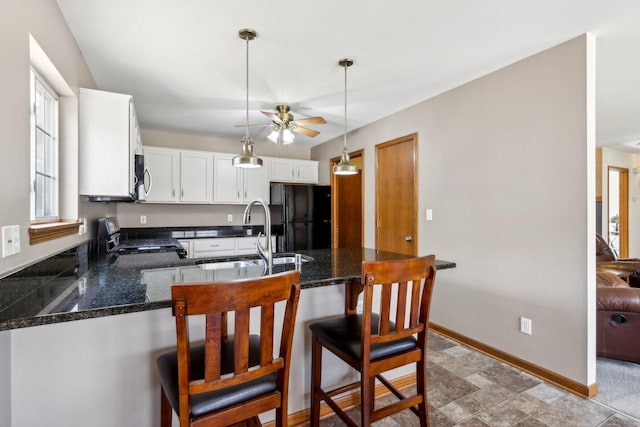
525 325
429 214
229 218
83 227
143 219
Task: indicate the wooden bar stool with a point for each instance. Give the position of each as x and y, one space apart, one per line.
229 378
375 342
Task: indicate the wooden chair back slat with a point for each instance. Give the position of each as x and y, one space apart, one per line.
266 334
224 327
415 305
213 336
241 344
385 310
215 301
401 307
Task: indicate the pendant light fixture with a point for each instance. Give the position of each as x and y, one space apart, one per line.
246 159
345 167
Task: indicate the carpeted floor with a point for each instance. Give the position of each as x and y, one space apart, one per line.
619 385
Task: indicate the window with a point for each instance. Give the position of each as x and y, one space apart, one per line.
44 151
54 141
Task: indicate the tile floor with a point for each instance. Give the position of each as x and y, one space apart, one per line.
469 389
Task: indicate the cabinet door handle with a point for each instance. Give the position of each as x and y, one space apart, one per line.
150 181
182 192
213 246
173 192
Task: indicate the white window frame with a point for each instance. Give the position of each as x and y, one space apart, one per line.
36 80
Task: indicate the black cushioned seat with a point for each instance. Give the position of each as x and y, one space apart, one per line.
345 332
207 402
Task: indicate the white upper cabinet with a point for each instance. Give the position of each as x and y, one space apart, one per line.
179 175
293 170
196 176
238 185
109 139
190 176
256 182
163 165
306 171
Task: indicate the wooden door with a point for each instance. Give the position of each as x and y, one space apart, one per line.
347 205
618 210
396 195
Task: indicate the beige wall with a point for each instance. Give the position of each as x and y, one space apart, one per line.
162 215
44 21
623 159
507 162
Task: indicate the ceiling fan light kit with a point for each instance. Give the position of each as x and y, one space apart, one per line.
284 125
247 159
345 167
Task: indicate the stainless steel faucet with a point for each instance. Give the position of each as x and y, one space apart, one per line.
265 251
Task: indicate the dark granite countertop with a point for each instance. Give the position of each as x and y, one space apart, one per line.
69 286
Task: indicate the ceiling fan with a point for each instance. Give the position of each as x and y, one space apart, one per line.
284 125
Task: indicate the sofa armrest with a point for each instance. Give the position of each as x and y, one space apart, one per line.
618 299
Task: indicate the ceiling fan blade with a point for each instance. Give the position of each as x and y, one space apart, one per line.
253 126
306 131
272 116
311 121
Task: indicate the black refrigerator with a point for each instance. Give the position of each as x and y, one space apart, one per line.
304 214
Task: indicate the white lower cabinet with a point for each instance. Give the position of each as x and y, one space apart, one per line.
205 248
247 245
223 246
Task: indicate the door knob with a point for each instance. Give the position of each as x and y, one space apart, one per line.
408 238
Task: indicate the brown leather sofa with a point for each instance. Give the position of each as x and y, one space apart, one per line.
618 318
606 259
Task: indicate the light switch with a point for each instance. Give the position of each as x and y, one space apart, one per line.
16 239
10 240
429 214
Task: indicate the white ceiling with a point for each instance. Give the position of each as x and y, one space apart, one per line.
185 65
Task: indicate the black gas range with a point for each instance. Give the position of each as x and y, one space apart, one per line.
108 242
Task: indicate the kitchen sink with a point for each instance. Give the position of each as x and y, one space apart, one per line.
287 259
278 259
227 265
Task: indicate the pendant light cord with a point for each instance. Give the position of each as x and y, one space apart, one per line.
247 91
345 106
